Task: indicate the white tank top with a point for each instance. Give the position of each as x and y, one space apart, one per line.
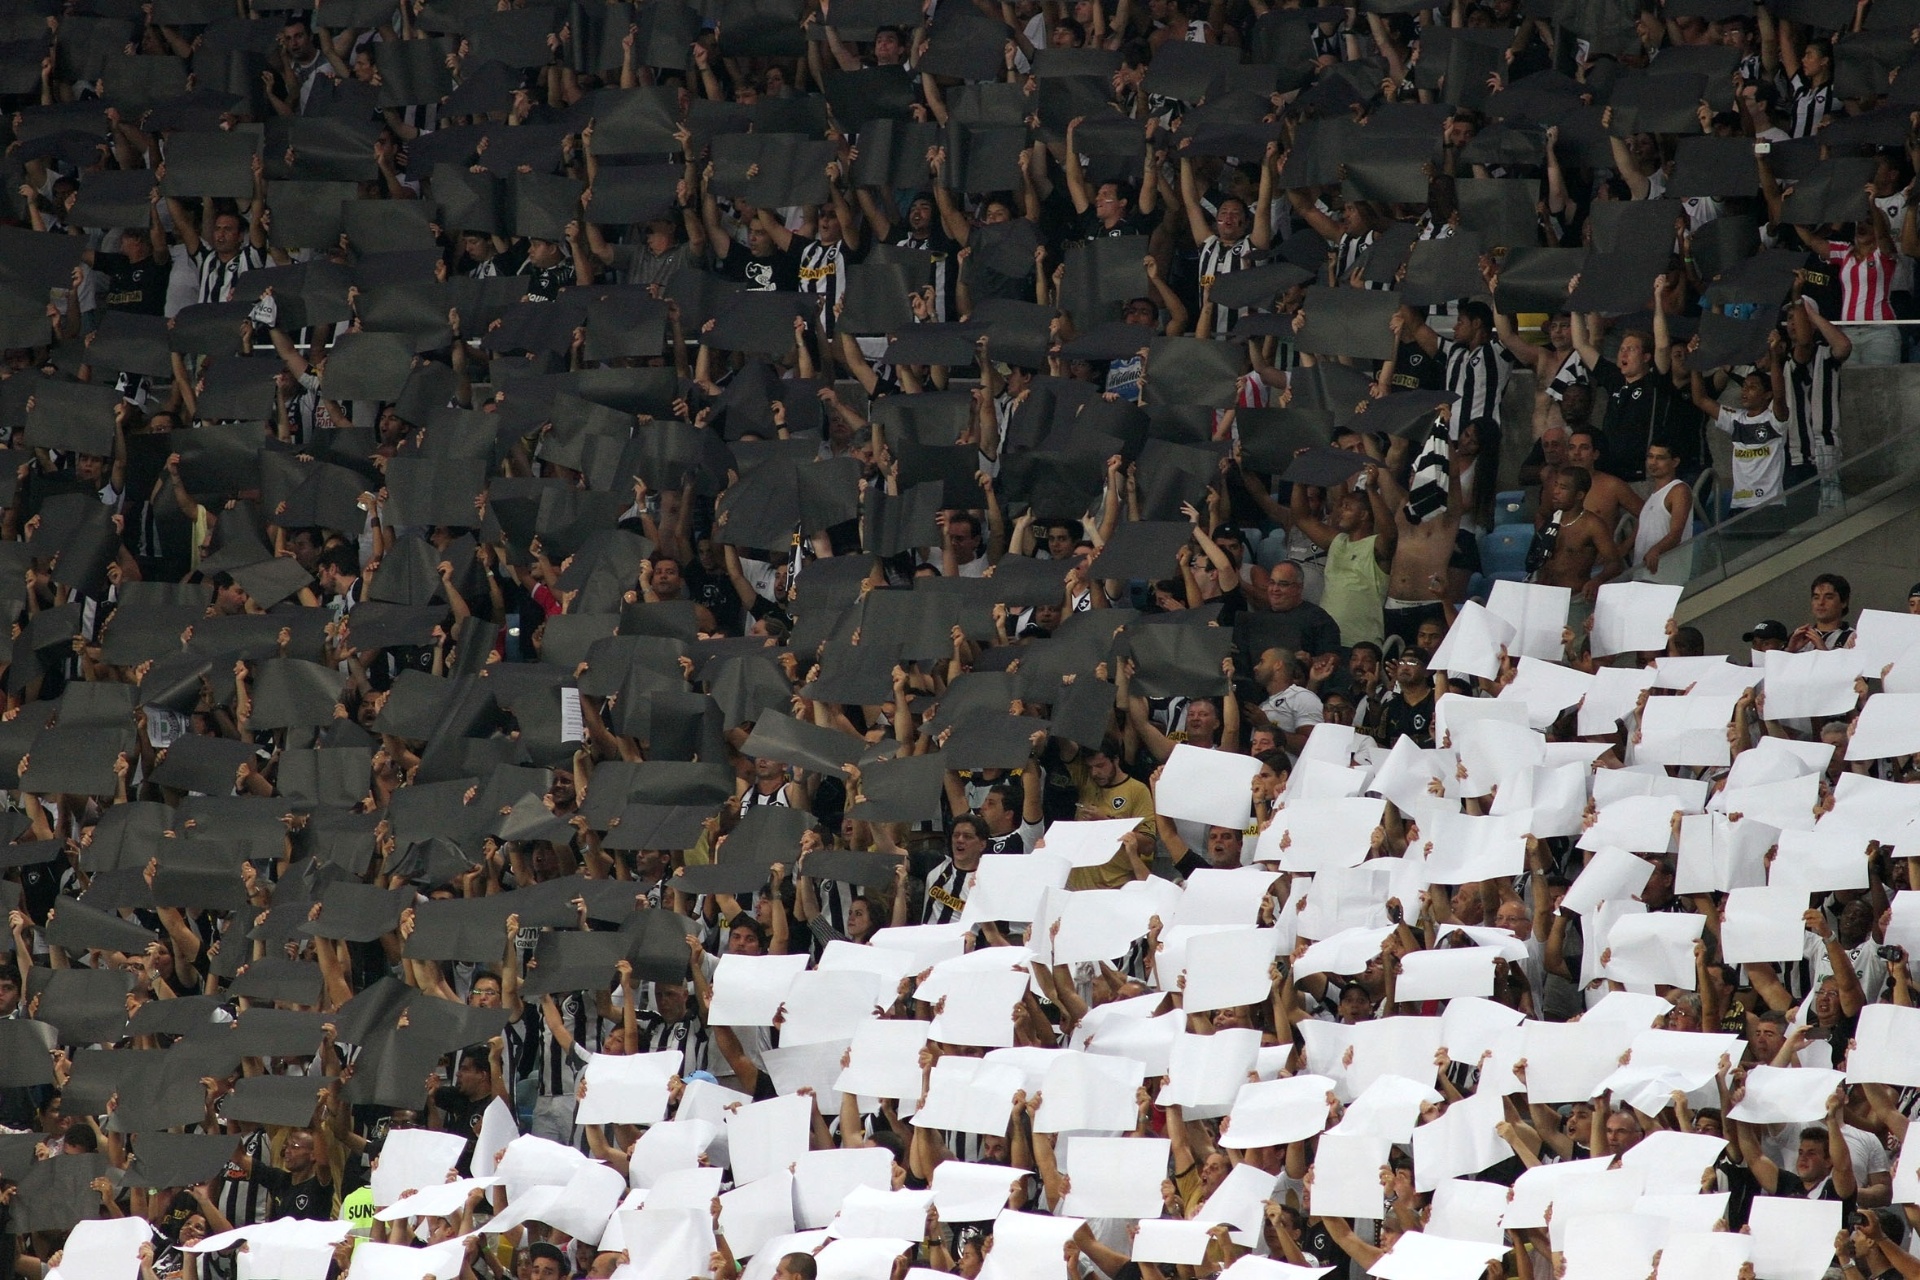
1656 522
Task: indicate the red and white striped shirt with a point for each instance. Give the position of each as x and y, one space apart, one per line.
1866 284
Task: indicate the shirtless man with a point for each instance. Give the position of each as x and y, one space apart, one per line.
1581 542
1417 577
1609 494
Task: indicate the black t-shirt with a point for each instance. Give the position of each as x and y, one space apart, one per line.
1415 370
547 284
309 1198
139 287
1134 224
778 271
460 1114
1414 719
1639 413
715 591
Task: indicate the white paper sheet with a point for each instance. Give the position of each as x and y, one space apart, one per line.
1095 924
1467 1210
1226 897
441 1200
755 1212
1613 875
1199 785
1009 886
1638 824
749 990
925 945
1763 925
375 1261
1087 843
1611 697
1462 848
1470 1027
1889 725
766 1137
1036 1241
1688 730
1346 952
1346 1176
1207 1071
970 1096
980 1013
1881 636
1792 1238
1786 1095
872 1213
1418 1256
1546 689
1250 1266
883 1059
1312 835
1474 643
1820 861
1460 1143
1654 949
1228 969
1717 854
1882 1050
862 1259
1614 1246
823 1179
768 1258
1536 615
1903 922
1240 1199
1171 1241
965 1192
1114 1177
1148 1041
105 1249
667 1244
626 1088
587 1202
413 1160
497 1128
1492 751
1088 1091
1684 672
1685 1214
1818 682
1443 975
1566 1061
1704 1257
1271 1113
1632 617
667 1148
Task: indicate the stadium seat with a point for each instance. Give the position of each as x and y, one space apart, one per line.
1510 507
1503 551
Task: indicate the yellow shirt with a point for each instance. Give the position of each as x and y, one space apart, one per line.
1128 798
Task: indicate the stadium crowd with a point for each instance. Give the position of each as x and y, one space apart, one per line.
849 639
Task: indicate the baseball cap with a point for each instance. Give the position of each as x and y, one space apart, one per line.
1768 629
1913 591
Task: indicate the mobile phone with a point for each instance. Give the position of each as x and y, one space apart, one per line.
1395 914
1890 952
1762 148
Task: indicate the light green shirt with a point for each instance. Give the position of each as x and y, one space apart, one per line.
1356 590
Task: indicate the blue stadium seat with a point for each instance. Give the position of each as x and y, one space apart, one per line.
1503 550
1510 506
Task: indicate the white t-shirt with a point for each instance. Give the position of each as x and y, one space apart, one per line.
1759 455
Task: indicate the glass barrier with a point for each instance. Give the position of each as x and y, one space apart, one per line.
1747 537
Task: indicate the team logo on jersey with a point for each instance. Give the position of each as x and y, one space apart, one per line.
1119 803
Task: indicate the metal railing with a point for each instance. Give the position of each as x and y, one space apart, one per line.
1746 538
